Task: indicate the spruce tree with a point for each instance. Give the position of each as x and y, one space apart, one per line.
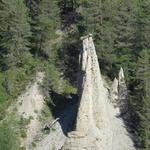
14 30
45 21
143 75
142 24
124 35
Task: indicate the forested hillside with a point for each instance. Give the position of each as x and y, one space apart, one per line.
45 35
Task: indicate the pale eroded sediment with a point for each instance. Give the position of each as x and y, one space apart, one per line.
97 126
114 92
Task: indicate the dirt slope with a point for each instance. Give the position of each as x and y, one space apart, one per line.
32 102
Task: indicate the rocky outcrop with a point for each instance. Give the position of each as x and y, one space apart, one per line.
93 98
97 126
92 90
122 91
118 90
122 86
114 92
119 93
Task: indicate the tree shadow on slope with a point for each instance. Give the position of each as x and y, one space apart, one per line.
65 108
129 124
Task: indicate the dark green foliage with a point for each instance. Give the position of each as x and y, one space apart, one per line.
97 19
45 21
12 82
69 55
69 15
142 24
14 31
46 33
143 76
16 63
56 78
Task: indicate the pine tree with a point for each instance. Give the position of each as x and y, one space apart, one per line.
14 30
45 20
142 25
105 37
96 18
124 35
69 15
143 75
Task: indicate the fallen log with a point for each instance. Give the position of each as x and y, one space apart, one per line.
50 124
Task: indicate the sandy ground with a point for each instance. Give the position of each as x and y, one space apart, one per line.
116 134
53 141
32 102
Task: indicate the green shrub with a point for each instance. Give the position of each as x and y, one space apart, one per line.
24 122
23 133
13 81
53 77
3 97
68 88
22 148
8 138
33 144
3 94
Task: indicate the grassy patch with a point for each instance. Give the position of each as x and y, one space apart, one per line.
22 148
24 122
8 136
33 144
23 133
22 125
45 114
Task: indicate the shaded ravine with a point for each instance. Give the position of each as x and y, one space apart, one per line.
58 134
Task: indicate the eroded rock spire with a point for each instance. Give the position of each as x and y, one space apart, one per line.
92 98
114 92
122 92
97 126
92 93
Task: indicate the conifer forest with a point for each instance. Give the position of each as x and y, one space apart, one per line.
44 36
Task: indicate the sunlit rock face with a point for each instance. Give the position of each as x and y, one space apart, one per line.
92 93
97 126
122 91
119 93
114 92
